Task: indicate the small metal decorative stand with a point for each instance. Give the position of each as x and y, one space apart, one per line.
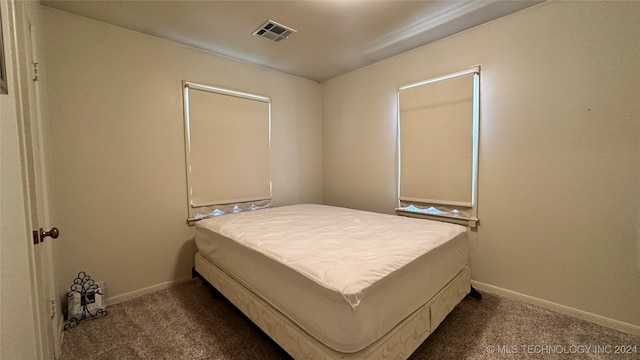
87 289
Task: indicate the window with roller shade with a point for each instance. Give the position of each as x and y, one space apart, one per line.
227 141
438 147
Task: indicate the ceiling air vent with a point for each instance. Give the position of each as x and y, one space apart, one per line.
273 31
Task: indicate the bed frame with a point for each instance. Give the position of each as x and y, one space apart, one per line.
399 343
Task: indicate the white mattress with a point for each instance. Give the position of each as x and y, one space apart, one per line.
345 276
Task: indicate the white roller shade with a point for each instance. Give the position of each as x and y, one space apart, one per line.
227 146
436 120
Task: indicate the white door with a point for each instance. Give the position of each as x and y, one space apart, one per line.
36 152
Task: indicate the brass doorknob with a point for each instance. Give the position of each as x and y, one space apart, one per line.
54 232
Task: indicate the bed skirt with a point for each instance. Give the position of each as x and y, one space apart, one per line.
399 343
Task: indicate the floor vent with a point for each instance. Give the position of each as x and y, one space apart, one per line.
273 31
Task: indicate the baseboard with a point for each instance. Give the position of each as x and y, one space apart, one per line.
567 310
147 290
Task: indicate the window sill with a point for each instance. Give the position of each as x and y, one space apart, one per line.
460 220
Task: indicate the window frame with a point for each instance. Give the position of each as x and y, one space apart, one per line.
213 208
449 211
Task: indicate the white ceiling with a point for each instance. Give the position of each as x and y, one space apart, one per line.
333 36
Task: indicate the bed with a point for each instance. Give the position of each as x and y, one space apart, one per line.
333 283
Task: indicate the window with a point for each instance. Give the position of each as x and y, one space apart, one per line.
227 141
438 147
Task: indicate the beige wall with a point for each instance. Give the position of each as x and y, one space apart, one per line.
115 107
559 172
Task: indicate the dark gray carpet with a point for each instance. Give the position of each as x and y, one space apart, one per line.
185 322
